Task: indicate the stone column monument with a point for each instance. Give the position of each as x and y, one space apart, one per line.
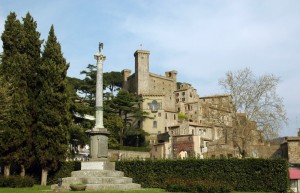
99 134
98 173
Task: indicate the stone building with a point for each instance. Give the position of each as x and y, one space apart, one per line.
290 148
157 92
209 119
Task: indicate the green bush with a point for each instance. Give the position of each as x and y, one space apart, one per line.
63 171
266 175
16 181
197 185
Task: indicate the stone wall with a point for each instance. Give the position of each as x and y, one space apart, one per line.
115 155
294 150
160 85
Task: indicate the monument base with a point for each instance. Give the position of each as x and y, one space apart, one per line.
97 175
97 165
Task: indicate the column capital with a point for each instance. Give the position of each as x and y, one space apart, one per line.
99 56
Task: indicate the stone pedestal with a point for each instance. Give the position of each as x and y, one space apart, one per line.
98 144
98 175
97 165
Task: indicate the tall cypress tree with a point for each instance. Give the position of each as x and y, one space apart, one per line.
14 64
51 132
32 50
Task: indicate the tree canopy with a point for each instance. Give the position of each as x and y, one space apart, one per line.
53 119
258 110
14 73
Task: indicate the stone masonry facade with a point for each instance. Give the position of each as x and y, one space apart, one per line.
208 119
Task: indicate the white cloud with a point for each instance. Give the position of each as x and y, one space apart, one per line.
202 40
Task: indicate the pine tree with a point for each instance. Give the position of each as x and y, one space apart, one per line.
51 132
127 106
14 64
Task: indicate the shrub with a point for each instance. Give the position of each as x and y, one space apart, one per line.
16 181
265 175
63 171
197 185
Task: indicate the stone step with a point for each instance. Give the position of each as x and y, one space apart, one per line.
97 180
97 173
130 186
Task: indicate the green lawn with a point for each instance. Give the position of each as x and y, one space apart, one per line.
41 189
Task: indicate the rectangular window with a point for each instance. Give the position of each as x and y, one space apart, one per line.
159 114
154 124
166 115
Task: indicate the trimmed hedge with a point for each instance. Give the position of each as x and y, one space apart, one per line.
196 185
16 181
266 175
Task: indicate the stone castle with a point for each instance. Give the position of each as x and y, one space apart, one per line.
183 123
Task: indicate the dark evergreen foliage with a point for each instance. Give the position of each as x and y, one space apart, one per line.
265 175
78 109
16 181
112 80
127 106
53 119
196 185
14 64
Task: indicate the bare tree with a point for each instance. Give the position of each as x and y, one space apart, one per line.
258 99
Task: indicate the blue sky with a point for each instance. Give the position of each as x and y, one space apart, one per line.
201 39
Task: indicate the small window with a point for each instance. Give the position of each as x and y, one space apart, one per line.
174 117
159 114
154 124
166 115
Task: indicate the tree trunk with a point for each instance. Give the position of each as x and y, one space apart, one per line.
121 140
22 174
7 170
44 177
